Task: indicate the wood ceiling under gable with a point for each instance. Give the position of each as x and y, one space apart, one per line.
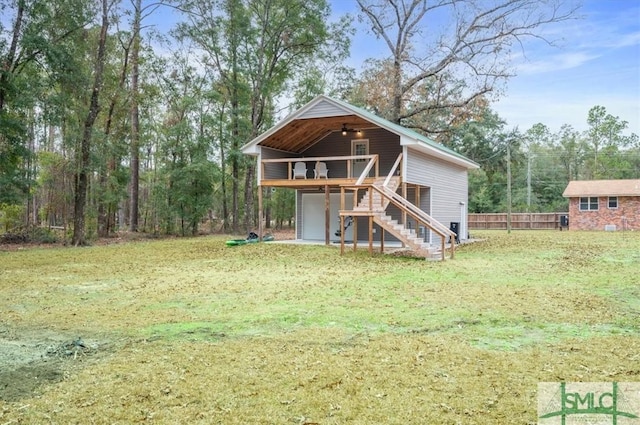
301 134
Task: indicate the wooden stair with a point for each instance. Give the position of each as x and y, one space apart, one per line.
408 236
374 204
377 208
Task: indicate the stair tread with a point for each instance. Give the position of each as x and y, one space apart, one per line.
379 204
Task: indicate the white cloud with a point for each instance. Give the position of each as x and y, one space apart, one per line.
556 62
624 40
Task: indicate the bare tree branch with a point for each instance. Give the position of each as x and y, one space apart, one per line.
472 54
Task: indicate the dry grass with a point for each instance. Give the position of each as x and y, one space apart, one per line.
190 331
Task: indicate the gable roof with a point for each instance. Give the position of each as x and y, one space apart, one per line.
602 188
324 115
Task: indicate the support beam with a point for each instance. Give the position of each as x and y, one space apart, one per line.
370 235
342 231
342 235
355 230
404 213
260 211
327 215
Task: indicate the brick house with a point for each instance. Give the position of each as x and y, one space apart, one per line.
603 204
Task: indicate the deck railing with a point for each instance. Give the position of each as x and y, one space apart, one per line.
333 163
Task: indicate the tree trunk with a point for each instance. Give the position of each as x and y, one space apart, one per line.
235 163
135 122
8 64
106 211
223 178
397 91
82 173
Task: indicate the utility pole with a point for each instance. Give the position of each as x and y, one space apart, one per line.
529 182
509 184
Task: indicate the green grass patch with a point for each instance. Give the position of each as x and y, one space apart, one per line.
280 333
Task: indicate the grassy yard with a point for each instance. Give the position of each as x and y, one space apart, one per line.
191 331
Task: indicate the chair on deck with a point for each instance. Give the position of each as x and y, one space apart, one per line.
300 170
321 170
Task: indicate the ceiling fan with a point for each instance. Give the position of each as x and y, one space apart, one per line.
346 130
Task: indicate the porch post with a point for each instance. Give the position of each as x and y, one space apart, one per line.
327 215
342 230
260 196
355 229
404 213
370 234
417 202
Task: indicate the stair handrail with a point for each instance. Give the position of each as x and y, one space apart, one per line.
366 170
393 170
398 200
413 211
420 216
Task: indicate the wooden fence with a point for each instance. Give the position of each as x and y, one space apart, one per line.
519 221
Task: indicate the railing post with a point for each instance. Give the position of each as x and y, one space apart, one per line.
377 166
342 231
370 234
327 215
392 171
341 234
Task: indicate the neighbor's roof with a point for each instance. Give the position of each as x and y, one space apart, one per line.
324 114
602 188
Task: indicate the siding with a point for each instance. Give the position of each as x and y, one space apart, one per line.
381 142
324 109
448 184
275 170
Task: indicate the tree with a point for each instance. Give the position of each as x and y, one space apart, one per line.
135 117
34 42
255 47
605 132
138 16
82 173
13 151
436 73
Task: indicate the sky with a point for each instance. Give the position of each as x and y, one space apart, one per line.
595 61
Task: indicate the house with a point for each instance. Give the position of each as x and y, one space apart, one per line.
349 166
603 204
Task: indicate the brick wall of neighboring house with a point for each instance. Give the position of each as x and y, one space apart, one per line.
628 207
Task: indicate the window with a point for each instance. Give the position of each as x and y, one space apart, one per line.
613 202
589 203
360 147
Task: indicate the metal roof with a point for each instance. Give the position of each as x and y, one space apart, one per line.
602 188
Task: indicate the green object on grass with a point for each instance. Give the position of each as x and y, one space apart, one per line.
235 242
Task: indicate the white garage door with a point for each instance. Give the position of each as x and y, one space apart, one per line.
313 216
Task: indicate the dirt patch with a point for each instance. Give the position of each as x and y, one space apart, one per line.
29 360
